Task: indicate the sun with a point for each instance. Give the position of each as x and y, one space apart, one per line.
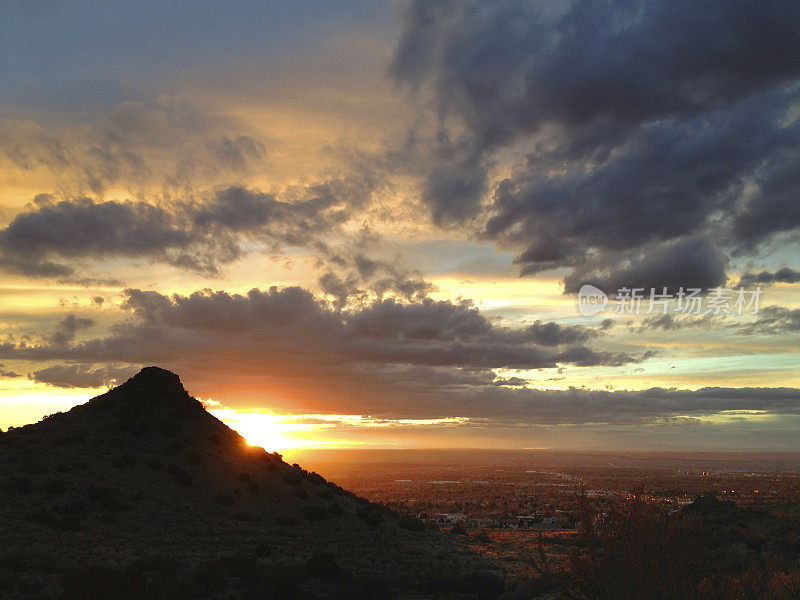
271 431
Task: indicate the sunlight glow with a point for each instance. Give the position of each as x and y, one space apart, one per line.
305 431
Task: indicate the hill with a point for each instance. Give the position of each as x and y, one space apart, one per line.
142 493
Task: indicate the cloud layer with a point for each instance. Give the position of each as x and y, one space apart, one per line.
289 341
656 137
199 235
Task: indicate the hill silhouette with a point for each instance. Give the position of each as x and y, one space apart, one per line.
141 492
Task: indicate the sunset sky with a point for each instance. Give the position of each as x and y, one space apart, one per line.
350 224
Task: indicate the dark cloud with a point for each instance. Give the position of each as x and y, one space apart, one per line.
454 187
645 133
670 322
200 235
372 279
290 340
578 406
389 360
513 66
6 373
510 382
352 276
553 334
774 320
67 327
133 144
688 263
235 152
84 227
82 376
783 275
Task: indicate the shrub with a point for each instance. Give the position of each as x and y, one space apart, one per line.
17 483
183 478
127 582
172 447
124 461
301 493
292 477
314 512
324 566
412 523
194 458
371 513
316 478
481 538
106 497
482 585
335 509
170 428
639 552
54 486
225 499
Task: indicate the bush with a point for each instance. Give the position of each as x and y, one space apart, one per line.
17 483
481 538
335 509
292 477
225 499
128 582
107 498
478 585
194 458
314 512
301 493
263 550
639 552
316 478
54 486
411 523
124 461
172 447
170 428
180 476
64 440
371 513
324 566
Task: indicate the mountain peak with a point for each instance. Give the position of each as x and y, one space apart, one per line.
155 379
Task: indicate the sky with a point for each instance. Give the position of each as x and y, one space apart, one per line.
371 225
